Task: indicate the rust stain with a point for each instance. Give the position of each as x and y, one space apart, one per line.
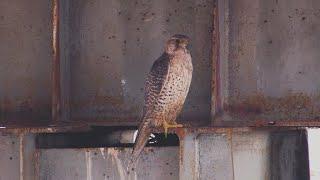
56 89
215 84
229 133
180 132
285 123
181 149
114 101
6 104
21 155
292 106
36 160
100 100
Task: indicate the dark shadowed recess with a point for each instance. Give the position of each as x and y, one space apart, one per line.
286 158
101 137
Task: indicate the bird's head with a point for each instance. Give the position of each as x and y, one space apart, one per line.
177 41
182 40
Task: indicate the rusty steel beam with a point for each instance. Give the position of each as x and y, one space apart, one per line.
268 123
81 126
215 84
215 126
56 88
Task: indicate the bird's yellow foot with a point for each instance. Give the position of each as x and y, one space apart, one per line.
166 126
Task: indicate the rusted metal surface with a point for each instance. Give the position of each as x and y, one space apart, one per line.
251 155
244 155
45 129
268 123
65 69
215 81
76 126
25 63
262 61
17 160
261 58
266 155
289 146
188 156
9 158
269 63
29 159
56 88
108 163
114 44
293 106
215 157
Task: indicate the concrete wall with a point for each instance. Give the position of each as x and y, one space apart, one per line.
19 158
113 45
314 156
250 155
269 70
108 163
25 65
269 54
226 155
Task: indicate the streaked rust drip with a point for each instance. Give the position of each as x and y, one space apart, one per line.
21 154
56 89
216 95
36 160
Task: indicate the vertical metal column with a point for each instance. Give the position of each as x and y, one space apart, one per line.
215 84
56 89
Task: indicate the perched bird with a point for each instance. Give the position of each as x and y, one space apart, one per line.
166 89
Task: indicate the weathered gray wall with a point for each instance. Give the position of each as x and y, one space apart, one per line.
269 69
10 158
113 45
314 156
108 163
19 158
215 160
25 60
270 59
289 155
107 48
248 155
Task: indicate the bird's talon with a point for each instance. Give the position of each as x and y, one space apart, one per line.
178 125
166 126
165 131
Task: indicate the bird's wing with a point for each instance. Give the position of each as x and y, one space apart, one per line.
153 87
156 81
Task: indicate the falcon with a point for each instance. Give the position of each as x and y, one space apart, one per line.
166 89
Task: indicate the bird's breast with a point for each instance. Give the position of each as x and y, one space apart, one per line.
178 81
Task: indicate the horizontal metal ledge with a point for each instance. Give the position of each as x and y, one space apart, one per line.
268 123
215 127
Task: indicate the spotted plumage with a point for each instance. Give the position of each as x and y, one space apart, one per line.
166 89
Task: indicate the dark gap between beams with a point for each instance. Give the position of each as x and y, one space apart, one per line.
101 137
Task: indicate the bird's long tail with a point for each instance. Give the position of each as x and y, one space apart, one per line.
141 140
